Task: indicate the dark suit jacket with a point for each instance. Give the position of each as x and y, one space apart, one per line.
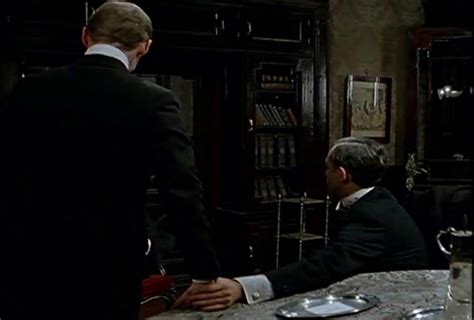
78 146
376 234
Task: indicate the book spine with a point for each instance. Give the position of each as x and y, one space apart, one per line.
263 151
281 151
258 163
260 120
268 112
281 186
270 151
272 190
292 150
263 188
291 117
276 115
284 117
257 193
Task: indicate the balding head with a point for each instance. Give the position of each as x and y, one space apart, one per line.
122 24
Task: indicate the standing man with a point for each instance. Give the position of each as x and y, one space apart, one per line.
375 234
78 145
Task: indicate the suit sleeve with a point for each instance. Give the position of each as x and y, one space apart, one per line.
10 114
180 189
357 245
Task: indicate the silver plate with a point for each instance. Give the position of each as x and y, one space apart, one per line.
329 306
432 313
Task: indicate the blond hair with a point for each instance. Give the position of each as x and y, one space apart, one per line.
122 24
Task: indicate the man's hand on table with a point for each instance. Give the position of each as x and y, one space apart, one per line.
211 296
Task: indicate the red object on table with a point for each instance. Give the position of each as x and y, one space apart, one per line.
158 295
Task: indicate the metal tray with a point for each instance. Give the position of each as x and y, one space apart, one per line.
431 313
330 306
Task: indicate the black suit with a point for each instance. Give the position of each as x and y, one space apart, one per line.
78 146
376 234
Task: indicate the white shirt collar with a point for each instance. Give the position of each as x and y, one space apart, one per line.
353 198
109 51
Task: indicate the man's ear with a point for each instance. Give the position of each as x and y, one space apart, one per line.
144 47
86 38
343 173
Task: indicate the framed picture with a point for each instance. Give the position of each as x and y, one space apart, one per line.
368 107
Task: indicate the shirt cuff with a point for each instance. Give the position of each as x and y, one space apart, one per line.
203 281
256 288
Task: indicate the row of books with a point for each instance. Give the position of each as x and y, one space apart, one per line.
268 115
275 150
268 187
277 82
284 78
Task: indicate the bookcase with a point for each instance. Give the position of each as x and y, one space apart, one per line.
276 129
267 151
264 131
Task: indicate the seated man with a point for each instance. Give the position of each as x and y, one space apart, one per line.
374 234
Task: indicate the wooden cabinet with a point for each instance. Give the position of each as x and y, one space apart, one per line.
267 145
282 31
185 26
56 28
41 27
229 27
266 135
275 111
444 98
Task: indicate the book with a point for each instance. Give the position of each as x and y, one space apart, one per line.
284 117
281 186
263 150
292 150
262 115
263 188
270 151
258 162
276 115
270 116
291 117
281 155
271 185
277 85
260 120
257 193
267 119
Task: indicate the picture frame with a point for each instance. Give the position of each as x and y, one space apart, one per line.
368 107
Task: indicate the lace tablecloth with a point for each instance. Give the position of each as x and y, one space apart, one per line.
398 291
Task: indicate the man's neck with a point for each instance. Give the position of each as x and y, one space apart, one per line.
109 51
353 197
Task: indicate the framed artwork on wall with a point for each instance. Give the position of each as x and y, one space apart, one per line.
368 107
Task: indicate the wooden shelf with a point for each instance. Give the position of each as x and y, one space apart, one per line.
276 91
274 129
306 201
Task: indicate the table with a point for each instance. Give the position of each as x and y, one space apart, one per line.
398 291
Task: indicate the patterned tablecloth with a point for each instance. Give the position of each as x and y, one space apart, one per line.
399 292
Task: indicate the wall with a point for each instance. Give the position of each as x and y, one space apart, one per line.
370 37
